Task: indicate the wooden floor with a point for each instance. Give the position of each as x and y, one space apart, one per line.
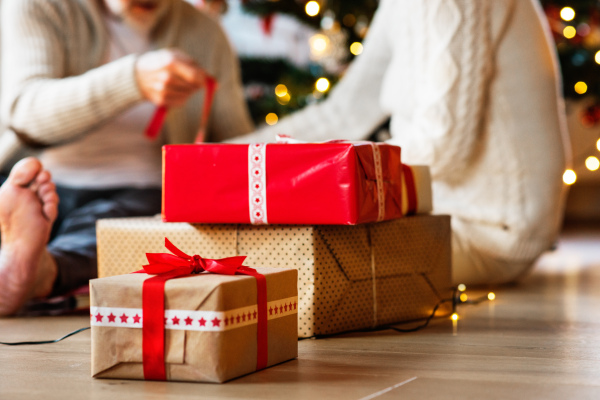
538 340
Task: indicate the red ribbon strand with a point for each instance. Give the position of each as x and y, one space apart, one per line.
411 189
158 119
169 266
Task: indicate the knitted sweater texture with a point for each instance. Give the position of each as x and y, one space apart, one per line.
55 88
471 87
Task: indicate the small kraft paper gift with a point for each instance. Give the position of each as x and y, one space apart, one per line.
333 183
192 319
349 277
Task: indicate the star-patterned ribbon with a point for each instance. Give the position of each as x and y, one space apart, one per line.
169 266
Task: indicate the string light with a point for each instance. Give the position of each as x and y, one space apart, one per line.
592 163
322 85
598 144
567 14
312 8
455 317
284 100
318 44
491 296
271 118
464 297
569 32
281 90
356 48
569 177
581 87
461 287
597 57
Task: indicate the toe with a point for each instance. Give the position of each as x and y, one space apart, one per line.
25 171
49 198
43 177
50 206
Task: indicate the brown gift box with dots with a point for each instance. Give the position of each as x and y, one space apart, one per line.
349 277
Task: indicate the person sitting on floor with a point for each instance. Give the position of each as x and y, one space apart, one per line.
82 78
471 88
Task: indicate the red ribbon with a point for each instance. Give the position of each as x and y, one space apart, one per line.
158 119
411 190
168 266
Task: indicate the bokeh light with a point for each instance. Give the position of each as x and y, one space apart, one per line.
569 177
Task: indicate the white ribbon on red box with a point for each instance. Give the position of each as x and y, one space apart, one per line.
257 179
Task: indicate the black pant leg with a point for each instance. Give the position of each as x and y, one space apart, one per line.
74 244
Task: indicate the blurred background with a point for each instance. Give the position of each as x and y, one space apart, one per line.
293 52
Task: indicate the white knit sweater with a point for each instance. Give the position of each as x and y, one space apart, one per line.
55 88
471 87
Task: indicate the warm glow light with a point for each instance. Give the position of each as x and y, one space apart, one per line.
464 297
491 296
356 48
312 8
283 100
281 90
322 85
592 163
318 43
569 177
581 87
567 13
598 144
462 287
597 57
271 118
569 32
454 317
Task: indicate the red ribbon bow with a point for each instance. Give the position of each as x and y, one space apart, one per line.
168 266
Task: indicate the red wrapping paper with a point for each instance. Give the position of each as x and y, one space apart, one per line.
325 183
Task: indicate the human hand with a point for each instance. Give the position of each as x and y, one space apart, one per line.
168 77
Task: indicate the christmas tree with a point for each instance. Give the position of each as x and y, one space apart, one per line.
293 51
575 26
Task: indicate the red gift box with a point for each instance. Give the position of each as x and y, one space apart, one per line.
337 183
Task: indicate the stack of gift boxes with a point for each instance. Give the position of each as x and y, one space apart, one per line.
338 233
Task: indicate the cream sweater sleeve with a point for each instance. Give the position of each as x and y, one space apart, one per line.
352 110
41 99
456 60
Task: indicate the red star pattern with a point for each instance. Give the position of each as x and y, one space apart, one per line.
99 317
111 317
136 319
290 306
281 309
202 322
244 317
254 314
276 310
175 320
216 322
238 319
285 307
124 318
270 310
226 321
294 305
188 320
249 316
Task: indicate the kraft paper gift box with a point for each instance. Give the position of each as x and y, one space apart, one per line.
210 328
349 277
338 183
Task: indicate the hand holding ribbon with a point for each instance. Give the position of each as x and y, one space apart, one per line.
168 266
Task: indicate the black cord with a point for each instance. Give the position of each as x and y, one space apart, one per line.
424 325
46 341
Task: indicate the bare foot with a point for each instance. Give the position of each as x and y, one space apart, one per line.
28 208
